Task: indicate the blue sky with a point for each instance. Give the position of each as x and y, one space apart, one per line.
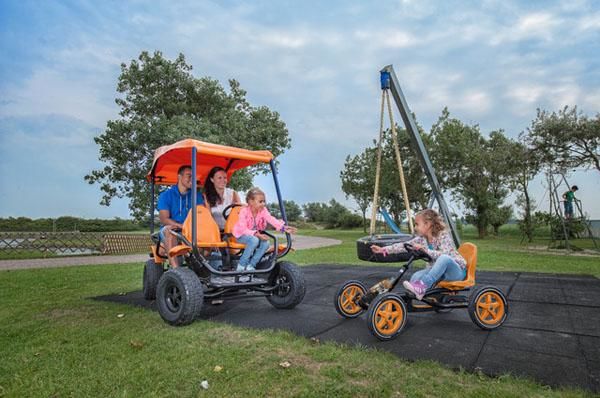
316 63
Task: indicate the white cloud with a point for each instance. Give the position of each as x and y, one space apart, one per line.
49 92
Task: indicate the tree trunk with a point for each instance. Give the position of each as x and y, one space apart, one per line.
364 215
527 220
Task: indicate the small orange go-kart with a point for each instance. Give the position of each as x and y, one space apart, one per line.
387 310
209 256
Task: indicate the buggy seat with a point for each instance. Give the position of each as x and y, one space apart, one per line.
469 253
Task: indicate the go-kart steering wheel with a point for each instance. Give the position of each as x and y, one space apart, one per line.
417 253
227 210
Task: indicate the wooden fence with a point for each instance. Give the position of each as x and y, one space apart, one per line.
44 244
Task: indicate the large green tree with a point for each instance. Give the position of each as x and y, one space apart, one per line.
473 167
566 139
526 162
161 102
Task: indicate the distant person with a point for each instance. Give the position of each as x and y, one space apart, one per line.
569 198
173 207
217 196
432 238
253 219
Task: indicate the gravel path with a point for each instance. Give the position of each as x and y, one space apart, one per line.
300 243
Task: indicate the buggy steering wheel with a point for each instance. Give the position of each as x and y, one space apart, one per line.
227 210
417 253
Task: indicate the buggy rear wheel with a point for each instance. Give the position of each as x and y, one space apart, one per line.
488 307
152 274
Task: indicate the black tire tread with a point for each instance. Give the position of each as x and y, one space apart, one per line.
193 296
473 310
152 274
298 288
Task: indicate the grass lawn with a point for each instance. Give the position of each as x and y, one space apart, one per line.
503 253
56 342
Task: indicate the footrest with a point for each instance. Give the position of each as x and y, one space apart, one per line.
237 280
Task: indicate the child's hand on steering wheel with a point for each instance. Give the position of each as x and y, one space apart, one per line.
418 247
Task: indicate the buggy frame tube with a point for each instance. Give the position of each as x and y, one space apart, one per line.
194 196
415 137
282 209
152 204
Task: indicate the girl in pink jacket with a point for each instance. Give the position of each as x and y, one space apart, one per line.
254 218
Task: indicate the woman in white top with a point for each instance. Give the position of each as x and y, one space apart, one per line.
217 196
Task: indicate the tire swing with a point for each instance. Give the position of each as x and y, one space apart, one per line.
363 245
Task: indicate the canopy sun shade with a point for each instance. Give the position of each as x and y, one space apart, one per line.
169 158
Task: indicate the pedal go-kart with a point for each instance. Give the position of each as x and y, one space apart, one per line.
387 310
209 257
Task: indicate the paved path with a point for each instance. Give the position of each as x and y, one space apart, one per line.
552 334
300 242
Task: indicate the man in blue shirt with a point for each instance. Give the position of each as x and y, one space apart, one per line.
173 207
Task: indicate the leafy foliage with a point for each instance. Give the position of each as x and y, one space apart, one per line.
473 167
65 224
292 210
566 139
161 102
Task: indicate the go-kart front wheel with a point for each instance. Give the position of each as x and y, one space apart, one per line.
179 296
290 287
488 307
346 299
387 316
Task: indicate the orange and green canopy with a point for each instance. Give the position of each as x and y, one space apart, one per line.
169 158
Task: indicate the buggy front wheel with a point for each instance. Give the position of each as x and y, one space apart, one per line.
290 286
387 316
346 299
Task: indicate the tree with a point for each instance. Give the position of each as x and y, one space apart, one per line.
527 163
473 167
292 210
314 211
358 180
161 102
500 216
566 139
358 176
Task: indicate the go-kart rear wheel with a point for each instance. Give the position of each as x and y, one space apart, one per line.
387 316
346 299
488 307
152 274
179 296
291 287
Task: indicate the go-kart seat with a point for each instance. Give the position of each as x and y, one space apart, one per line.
233 244
469 252
207 232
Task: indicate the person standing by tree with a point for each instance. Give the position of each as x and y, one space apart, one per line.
173 207
569 198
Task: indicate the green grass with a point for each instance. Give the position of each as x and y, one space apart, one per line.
503 253
56 342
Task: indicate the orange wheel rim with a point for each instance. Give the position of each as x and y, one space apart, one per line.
490 308
388 317
348 299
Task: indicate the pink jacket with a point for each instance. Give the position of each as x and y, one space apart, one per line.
245 223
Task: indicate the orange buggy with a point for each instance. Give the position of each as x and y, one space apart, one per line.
181 292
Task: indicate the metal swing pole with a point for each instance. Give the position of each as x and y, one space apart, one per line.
389 77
